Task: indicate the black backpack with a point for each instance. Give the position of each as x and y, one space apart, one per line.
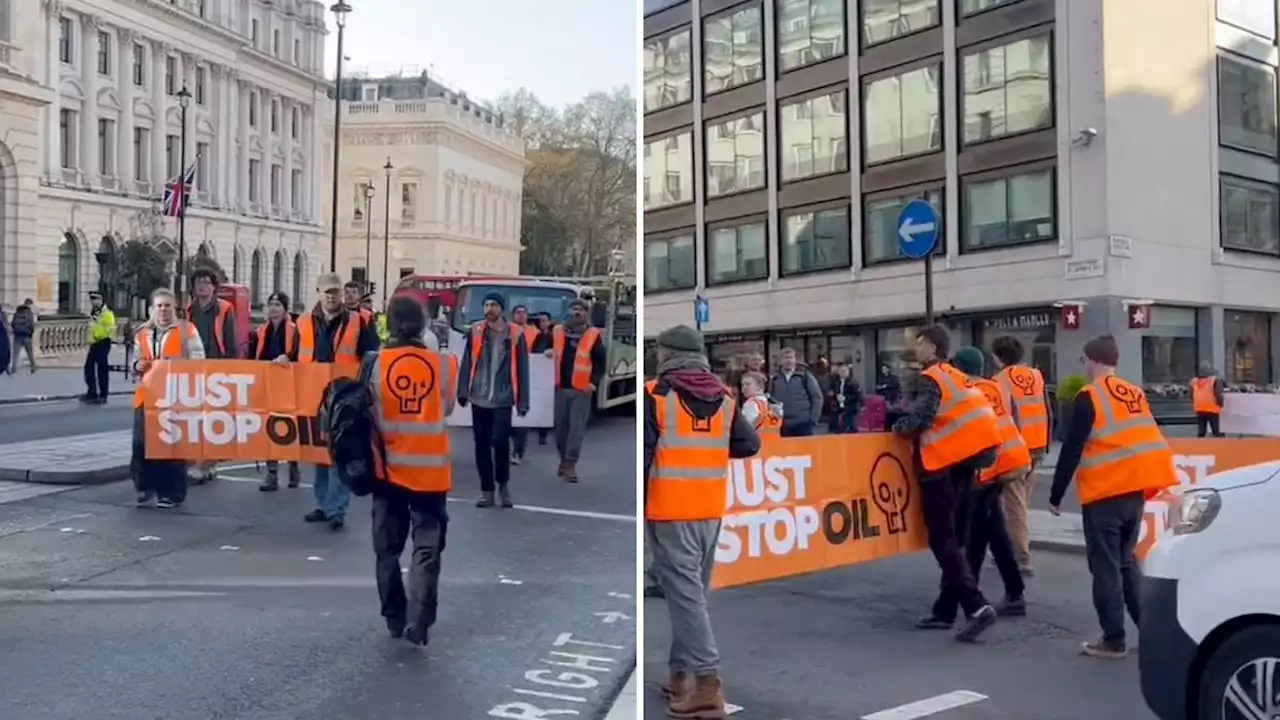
346 415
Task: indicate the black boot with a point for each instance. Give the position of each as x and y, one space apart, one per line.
486 500
271 483
504 495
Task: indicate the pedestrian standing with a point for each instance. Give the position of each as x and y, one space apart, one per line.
215 320
97 371
692 428
1206 396
1118 458
495 382
536 341
276 341
579 358
163 337
954 434
416 466
801 396
986 521
331 333
1033 414
848 396
24 330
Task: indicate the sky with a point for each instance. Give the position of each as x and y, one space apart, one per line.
560 49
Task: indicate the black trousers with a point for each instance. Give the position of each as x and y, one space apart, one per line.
987 530
1111 528
491 430
396 514
1208 421
519 440
945 502
97 377
167 479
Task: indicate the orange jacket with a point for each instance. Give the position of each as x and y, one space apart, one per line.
690 462
1125 452
581 357
411 387
1203 397
1013 455
1025 386
964 425
344 346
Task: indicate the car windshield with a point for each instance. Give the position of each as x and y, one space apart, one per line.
538 299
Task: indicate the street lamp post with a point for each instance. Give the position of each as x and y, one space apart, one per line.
184 100
386 230
339 10
368 233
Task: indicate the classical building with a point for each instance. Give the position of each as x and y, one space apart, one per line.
450 202
109 140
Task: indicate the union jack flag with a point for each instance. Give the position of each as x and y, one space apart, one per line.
177 191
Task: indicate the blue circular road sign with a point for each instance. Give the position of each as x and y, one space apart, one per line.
917 229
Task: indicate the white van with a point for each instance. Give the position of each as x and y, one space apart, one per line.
1209 644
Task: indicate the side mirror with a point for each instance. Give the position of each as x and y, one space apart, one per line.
599 314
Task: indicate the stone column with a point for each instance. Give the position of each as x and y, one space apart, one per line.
311 173
268 148
242 173
159 126
287 142
221 158
187 79
88 155
124 129
53 79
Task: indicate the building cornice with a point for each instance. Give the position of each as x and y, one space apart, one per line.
25 90
196 213
436 126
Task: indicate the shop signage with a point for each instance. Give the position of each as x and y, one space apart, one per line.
1022 321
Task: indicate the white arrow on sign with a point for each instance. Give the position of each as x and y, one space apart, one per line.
612 616
910 229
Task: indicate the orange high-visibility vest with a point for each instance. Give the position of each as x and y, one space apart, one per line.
530 335
478 330
581 376
1025 386
171 345
344 345
1013 454
265 328
1126 452
691 462
766 422
219 322
410 387
964 425
1203 397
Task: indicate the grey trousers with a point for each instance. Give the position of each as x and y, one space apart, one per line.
684 555
573 410
650 580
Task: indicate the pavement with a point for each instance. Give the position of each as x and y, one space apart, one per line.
62 381
233 608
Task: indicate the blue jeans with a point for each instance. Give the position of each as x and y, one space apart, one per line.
331 497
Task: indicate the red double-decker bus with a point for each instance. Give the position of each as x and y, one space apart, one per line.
437 293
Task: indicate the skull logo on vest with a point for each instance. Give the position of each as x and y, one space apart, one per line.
1024 380
410 379
891 491
701 425
1132 398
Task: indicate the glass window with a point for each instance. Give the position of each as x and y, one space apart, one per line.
668 71
1007 90
1008 211
139 66
972 7
737 253
1036 330
735 155
470 301
1248 351
731 49
65 43
809 31
1246 105
884 20
104 53
815 240
1169 353
880 226
1256 16
668 171
813 137
896 364
902 115
729 358
653 6
669 263
1250 216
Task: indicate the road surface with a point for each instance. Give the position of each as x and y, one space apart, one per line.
234 608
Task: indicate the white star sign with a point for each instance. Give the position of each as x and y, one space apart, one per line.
1071 317
1139 315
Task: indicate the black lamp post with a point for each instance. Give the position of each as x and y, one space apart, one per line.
339 10
386 232
184 99
368 233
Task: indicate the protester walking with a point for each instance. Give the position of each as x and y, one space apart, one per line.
416 465
1118 458
954 435
276 341
23 325
163 337
1012 463
686 471
579 357
331 333
1207 399
1032 412
215 320
494 380
801 396
538 341
97 370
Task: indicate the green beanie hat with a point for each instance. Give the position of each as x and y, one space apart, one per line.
969 360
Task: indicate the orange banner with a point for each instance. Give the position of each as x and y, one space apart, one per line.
808 504
1197 459
236 410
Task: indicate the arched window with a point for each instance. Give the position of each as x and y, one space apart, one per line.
277 272
68 275
255 280
299 275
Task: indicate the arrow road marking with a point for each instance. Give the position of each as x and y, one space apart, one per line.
909 229
612 616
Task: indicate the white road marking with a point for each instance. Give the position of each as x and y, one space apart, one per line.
86 594
241 466
928 706
229 547
509 581
730 708
314 558
148 538
624 596
13 491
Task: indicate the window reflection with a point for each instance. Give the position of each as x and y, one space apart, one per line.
1250 216
731 49
668 171
880 226
813 137
1008 211
1248 349
737 253
1007 90
972 7
669 263
735 155
815 240
1169 354
884 20
668 71
1246 105
902 115
809 31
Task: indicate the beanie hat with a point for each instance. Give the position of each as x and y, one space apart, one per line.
969 360
580 303
682 338
495 296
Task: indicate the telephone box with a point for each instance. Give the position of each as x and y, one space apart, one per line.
238 296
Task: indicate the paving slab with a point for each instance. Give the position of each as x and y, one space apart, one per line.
77 460
1062 533
625 706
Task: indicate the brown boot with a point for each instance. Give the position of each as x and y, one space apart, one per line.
676 686
571 471
705 702
560 470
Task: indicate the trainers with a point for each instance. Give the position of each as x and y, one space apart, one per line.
270 484
504 497
1012 607
145 498
337 523
1104 649
1027 571
315 516
167 504
515 459
395 628
977 624
416 636
933 622
486 500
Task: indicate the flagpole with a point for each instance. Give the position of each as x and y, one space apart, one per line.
184 97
